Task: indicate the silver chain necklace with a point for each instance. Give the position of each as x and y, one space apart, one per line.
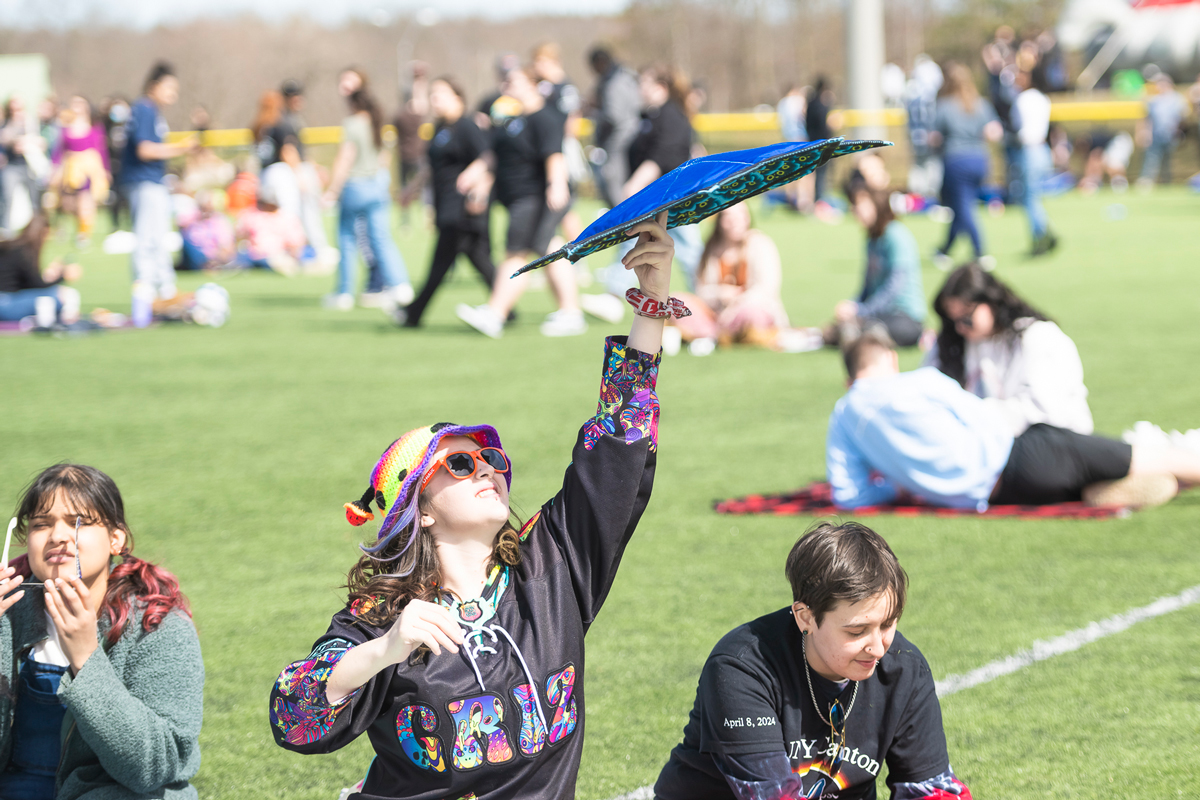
813 695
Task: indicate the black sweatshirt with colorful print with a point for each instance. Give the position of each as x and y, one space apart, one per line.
504 717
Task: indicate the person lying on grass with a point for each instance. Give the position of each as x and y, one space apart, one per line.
460 650
809 701
100 664
920 433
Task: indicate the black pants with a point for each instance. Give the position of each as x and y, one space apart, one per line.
474 244
1053 465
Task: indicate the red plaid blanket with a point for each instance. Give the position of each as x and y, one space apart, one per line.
816 500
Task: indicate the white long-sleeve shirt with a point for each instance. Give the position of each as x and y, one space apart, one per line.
1034 376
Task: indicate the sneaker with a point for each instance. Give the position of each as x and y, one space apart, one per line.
1132 491
702 347
986 263
603 306
482 319
942 261
338 302
399 315
401 294
564 323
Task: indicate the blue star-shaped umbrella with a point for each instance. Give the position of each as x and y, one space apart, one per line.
703 186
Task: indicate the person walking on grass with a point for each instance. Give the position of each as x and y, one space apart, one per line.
360 184
462 219
530 174
460 651
143 168
964 125
813 699
103 675
1033 109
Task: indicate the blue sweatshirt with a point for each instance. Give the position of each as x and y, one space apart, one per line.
920 431
892 284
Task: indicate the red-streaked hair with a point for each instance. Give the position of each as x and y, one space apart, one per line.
134 581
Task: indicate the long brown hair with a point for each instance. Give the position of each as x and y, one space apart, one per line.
270 109
960 83
381 585
30 239
882 201
96 497
675 82
361 100
716 240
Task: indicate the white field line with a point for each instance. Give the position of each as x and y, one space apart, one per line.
1040 651
1069 641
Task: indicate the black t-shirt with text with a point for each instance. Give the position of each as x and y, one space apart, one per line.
522 145
753 699
452 148
664 137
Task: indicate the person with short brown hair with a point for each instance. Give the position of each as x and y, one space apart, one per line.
810 700
920 434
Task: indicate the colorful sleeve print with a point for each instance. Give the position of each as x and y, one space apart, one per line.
628 405
945 786
300 710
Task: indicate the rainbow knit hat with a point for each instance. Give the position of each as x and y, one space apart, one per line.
398 473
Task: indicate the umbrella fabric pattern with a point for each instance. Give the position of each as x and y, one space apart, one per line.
704 186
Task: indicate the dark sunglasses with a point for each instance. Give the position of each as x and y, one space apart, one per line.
461 464
837 739
966 320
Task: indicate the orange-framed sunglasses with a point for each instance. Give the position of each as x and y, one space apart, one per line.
461 464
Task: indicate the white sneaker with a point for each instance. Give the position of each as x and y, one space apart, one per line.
987 263
702 347
564 323
603 306
338 302
942 261
482 319
672 340
401 294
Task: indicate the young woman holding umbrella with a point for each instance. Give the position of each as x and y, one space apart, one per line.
460 650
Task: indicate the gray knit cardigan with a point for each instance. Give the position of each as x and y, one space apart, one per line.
134 710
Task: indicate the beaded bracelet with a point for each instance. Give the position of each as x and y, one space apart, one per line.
645 306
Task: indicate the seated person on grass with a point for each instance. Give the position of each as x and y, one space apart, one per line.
810 700
892 294
270 238
920 433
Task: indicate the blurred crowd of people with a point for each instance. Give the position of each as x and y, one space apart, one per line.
519 146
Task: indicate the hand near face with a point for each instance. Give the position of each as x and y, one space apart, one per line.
10 591
422 623
68 602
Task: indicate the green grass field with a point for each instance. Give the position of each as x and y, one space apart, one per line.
235 449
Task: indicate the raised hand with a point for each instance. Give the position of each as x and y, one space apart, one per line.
651 257
68 602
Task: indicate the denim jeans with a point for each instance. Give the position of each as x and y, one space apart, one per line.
150 206
1036 169
369 199
960 191
15 306
36 731
1157 160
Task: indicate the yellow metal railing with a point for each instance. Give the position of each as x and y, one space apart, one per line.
741 122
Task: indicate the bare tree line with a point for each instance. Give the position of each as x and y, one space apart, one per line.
744 52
